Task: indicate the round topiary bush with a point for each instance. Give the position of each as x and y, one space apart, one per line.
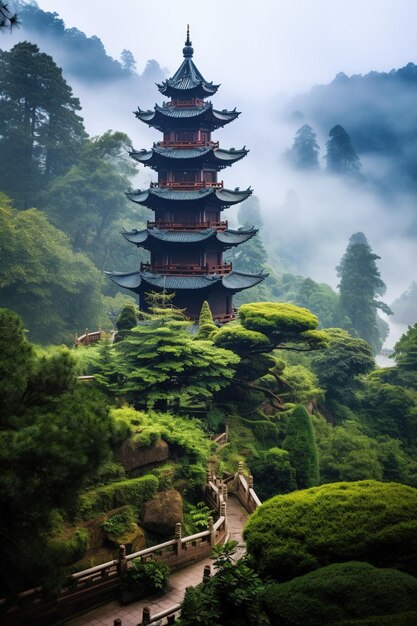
342 591
296 533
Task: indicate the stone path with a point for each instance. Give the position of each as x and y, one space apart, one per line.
131 615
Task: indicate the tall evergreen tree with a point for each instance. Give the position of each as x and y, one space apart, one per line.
301 445
305 149
40 131
341 156
360 283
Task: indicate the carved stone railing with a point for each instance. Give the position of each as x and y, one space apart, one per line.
243 489
99 584
187 184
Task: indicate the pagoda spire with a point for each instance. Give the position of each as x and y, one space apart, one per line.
188 50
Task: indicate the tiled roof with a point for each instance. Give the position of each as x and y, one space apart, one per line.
138 281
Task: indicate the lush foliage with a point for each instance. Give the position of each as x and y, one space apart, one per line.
339 592
229 598
134 492
150 575
301 446
339 367
295 533
55 435
55 290
41 133
405 350
160 364
360 283
272 472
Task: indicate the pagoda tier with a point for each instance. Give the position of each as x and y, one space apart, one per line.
156 239
187 239
190 290
193 196
203 116
188 157
187 82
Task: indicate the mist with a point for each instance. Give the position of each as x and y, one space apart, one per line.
308 216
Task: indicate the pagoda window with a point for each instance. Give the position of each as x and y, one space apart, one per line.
205 136
209 176
163 176
190 176
185 135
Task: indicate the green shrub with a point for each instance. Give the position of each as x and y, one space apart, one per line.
67 551
339 592
272 472
301 445
120 523
293 534
134 492
153 575
265 431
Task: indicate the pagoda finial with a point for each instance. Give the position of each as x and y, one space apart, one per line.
188 50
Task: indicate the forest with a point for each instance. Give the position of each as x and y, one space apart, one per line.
91 434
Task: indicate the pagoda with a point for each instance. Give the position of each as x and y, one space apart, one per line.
188 238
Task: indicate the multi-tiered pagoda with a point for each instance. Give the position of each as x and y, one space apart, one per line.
188 238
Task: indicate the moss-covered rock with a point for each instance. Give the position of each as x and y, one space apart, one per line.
134 492
162 513
133 456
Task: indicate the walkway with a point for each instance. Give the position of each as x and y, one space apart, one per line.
131 615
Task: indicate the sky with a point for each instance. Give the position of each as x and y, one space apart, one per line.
263 53
270 45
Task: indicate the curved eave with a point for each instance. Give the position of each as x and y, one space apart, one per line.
187 80
222 198
238 281
162 117
219 157
140 281
149 238
186 92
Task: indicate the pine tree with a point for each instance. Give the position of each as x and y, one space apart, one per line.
301 445
206 326
305 149
341 156
40 131
360 283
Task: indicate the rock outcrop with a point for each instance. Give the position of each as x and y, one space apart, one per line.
162 512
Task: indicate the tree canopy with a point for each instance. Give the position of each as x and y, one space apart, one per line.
55 290
341 156
40 131
305 149
360 283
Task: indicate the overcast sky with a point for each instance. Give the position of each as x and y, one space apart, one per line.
271 45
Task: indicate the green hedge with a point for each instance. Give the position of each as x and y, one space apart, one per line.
369 521
134 492
342 591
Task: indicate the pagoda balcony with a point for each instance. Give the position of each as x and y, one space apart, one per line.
188 144
221 319
200 184
220 226
185 104
187 270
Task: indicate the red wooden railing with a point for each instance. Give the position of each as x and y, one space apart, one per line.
187 226
188 144
185 184
181 270
184 104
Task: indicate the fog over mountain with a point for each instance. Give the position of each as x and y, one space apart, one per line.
308 216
